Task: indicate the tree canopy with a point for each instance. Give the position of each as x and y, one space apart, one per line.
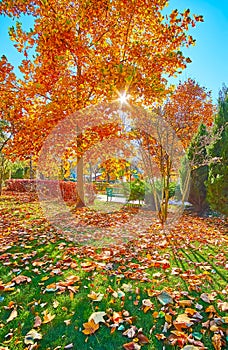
83 52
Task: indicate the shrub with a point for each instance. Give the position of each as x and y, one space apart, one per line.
137 190
21 185
50 188
155 189
217 184
196 156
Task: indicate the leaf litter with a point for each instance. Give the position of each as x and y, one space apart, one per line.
180 318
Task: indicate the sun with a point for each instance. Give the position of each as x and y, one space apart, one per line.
123 97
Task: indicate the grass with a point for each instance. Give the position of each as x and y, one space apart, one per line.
126 275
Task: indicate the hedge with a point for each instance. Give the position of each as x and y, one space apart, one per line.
50 188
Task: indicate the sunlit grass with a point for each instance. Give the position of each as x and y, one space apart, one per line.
46 258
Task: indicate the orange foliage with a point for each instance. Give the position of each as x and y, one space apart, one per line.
188 107
87 51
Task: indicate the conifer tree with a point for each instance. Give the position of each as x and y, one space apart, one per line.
217 184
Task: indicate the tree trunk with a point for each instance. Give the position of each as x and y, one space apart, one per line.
80 182
166 173
1 184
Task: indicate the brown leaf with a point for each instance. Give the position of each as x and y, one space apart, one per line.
216 341
223 306
21 279
38 322
12 315
132 346
210 308
130 333
142 338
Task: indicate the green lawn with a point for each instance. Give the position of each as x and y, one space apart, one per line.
142 287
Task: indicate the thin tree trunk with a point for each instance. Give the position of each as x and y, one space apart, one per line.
80 183
80 177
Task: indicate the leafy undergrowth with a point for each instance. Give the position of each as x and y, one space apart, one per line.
157 291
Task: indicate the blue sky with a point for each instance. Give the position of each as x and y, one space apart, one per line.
209 57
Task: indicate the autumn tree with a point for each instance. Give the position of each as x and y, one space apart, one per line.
217 184
87 52
4 138
175 122
188 107
161 152
114 168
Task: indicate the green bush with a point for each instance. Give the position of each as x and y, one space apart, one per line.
137 190
195 158
217 184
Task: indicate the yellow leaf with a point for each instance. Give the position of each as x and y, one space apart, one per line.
47 317
95 296
185 303
90 327
216 341
168 318
55 304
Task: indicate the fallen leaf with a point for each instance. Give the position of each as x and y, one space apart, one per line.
165 298
38 322
98 317
95 296
147 305
127 288
142 338
117 317
90 327
12 315
55 304
67 322
47 317
210 308
223 306
31 336
132 346
183 318
160 336
21 279
180 334
168 318
185 303
190 311
130 333
205 298
216 341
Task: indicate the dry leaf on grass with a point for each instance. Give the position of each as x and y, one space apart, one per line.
21 279
12 315
37 322
98 317
31 336
47 317
90 327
